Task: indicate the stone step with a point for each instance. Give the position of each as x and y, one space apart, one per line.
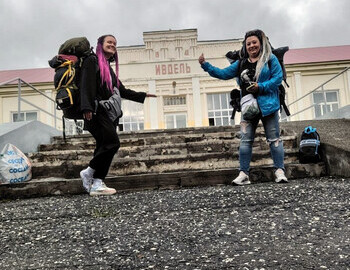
213 145
70 167
161 133
83 142
173 180
150 137
89 143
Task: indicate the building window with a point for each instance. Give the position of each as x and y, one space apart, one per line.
322 107
133 117
24 116
74 127
219 110
171 101
176 120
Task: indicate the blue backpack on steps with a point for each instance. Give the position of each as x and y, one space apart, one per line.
309 149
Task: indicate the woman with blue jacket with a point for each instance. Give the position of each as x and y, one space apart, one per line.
259 74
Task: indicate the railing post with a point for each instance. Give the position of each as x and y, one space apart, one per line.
19 101
55 115
324 100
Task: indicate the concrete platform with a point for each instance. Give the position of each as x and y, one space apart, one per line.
304 224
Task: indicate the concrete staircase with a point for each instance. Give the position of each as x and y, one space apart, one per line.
169 158
157 159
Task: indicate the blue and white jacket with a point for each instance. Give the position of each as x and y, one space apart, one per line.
270 78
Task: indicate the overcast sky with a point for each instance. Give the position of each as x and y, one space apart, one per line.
32 30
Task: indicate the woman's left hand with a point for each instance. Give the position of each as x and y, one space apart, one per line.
254 89
150 95
87 115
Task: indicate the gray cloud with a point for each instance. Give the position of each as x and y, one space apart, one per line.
32 30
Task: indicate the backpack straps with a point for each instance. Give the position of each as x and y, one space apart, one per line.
282 93
64 129
70 72
240 65
309 130
282 96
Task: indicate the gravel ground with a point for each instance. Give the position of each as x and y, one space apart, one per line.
304 224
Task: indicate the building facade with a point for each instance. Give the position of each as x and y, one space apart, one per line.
323 71
167 65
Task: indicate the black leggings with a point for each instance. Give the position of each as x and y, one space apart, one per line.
107 143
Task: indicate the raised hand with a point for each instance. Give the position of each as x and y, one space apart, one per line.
201 59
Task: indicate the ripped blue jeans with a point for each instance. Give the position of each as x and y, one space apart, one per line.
272 133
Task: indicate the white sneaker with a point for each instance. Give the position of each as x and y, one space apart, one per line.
280 176
241 179
87 177
100 188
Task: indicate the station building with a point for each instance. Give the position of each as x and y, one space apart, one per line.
167 65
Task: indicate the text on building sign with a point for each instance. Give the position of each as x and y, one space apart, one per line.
167 69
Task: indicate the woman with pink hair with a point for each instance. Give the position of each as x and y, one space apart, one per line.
99 85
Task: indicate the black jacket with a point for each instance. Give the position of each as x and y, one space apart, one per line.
91 89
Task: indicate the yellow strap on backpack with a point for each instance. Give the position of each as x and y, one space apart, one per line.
70 95
70 72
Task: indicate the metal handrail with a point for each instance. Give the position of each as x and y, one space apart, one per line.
312 91
7 82
20 98
341 72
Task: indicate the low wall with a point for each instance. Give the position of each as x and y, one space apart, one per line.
26 136
335 142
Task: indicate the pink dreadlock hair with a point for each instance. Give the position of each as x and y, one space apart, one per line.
103 63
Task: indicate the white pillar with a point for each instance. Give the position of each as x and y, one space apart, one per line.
347 89
49 107
197 108
1 112
299 93
153 112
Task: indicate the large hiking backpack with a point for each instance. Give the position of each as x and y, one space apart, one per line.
79 46
279 53
66 81
233 56
309 149
67 65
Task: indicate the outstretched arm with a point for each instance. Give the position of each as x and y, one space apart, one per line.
224 74
133 95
